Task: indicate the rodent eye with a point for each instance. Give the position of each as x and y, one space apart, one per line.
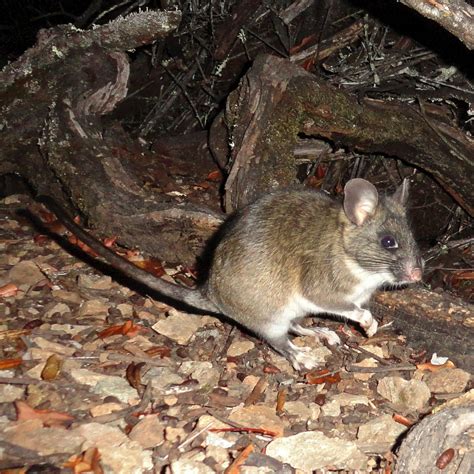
389 242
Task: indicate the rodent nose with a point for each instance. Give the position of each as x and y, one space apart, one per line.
415 274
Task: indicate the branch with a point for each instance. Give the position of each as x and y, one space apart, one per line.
455 16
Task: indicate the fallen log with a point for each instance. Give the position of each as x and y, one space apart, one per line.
441 442
53 99
278 102
436 322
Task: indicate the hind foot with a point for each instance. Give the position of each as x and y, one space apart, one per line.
324 334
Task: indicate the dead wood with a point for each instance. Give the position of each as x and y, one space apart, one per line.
441 442
277 102
454 15
436 322
53 99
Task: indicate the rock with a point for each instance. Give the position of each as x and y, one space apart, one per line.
93 308
60 308
258 416
31 434
380 430
25 274
48 348
179 327
350 400
313 450
10 393
406 395
68 296
364 376
174 435
299 409
71 329
204 372
447 380
105 409
94 282
106 385
148 432
331 408
237 348
220 455
118 454
186 466
162 378
126 310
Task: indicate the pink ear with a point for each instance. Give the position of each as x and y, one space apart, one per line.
360 200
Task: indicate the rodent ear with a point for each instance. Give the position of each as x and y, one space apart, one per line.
401 194
360 200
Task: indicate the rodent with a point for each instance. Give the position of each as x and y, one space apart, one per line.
294 253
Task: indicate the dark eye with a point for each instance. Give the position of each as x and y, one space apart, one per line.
389 242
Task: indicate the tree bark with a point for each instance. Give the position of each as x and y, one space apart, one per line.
53 99
435 322
456 16
276 102
451 428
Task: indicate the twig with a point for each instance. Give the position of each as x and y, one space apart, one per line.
369 370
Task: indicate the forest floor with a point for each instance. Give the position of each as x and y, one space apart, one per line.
99 377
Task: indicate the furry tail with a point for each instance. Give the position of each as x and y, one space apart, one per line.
178 293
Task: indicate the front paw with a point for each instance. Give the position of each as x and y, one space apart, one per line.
368 323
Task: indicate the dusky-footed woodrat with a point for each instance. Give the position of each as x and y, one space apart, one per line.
293 253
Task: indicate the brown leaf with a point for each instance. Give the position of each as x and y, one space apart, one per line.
317 377
428 366
10 363
234 468
10 289
445 458
402 420
161 351
47 417
126 329
134 374
151 265
281 400
109 241
84 247
51 368
215 176
88 461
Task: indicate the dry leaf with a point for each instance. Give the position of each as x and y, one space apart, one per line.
215 176
126 329
151 265
317 377
51 368
281 400
445 458
47 417
134 374
234 468
402 420
428 366
161 351
10 289
109 241
88 461
10 363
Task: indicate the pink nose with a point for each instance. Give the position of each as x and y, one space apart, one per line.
414 274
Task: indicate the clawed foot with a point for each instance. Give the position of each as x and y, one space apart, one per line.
368 323
301 358
320 333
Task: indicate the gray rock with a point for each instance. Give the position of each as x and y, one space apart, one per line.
313 450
